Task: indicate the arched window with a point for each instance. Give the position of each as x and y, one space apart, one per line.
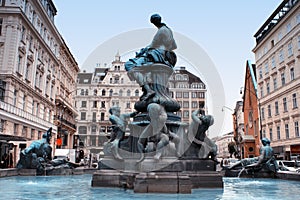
95 92
137 93
121 93
128 93
103 92
122 81
110 80
117 78
110 92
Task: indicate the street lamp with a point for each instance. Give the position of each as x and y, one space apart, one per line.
226 108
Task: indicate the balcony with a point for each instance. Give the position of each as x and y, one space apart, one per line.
10 109
64 121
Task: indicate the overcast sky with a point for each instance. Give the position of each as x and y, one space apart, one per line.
224 29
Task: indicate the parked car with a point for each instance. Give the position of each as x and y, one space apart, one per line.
289 165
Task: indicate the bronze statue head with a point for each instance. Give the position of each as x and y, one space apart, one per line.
155 19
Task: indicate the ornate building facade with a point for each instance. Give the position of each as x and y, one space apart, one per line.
277 54
107 87
96 93
37 76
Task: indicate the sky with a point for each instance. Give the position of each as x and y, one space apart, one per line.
223 29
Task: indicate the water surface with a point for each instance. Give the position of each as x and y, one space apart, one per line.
79 187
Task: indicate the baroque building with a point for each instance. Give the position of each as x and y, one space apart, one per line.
110 86
37 76
96 93
277 54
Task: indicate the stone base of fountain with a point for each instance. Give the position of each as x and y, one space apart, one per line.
168 175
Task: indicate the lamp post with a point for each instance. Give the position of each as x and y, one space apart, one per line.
233 148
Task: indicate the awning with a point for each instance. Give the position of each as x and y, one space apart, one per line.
7 138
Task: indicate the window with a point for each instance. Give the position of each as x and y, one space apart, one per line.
110 92
83 104
179 113
287 132
86 92
288 27
292 73
266 68
115 103
185 114
290 49
261 91
102 116
103 92
2 123
102 104
127 104
19 64
22 33
128 93
296 125
194 94
136 93
262 113
273 63
268 88
278 132
1 22
269 111
24 131
275 83
263 133
82 92
24 102
37 111
276 108
282 78
30 42
279 36
32 134
16 127
298 41
185 95
27 72
281 56
95 92
15 99
260 73
194 104
284 104
117 78
82 130
298 18
94 129
201 95
271 134
94 118
121 93
46 87
294 97
185 104
178 94
2 90
83 116
95 104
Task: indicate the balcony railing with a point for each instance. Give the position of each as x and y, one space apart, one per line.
23 114
64 121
